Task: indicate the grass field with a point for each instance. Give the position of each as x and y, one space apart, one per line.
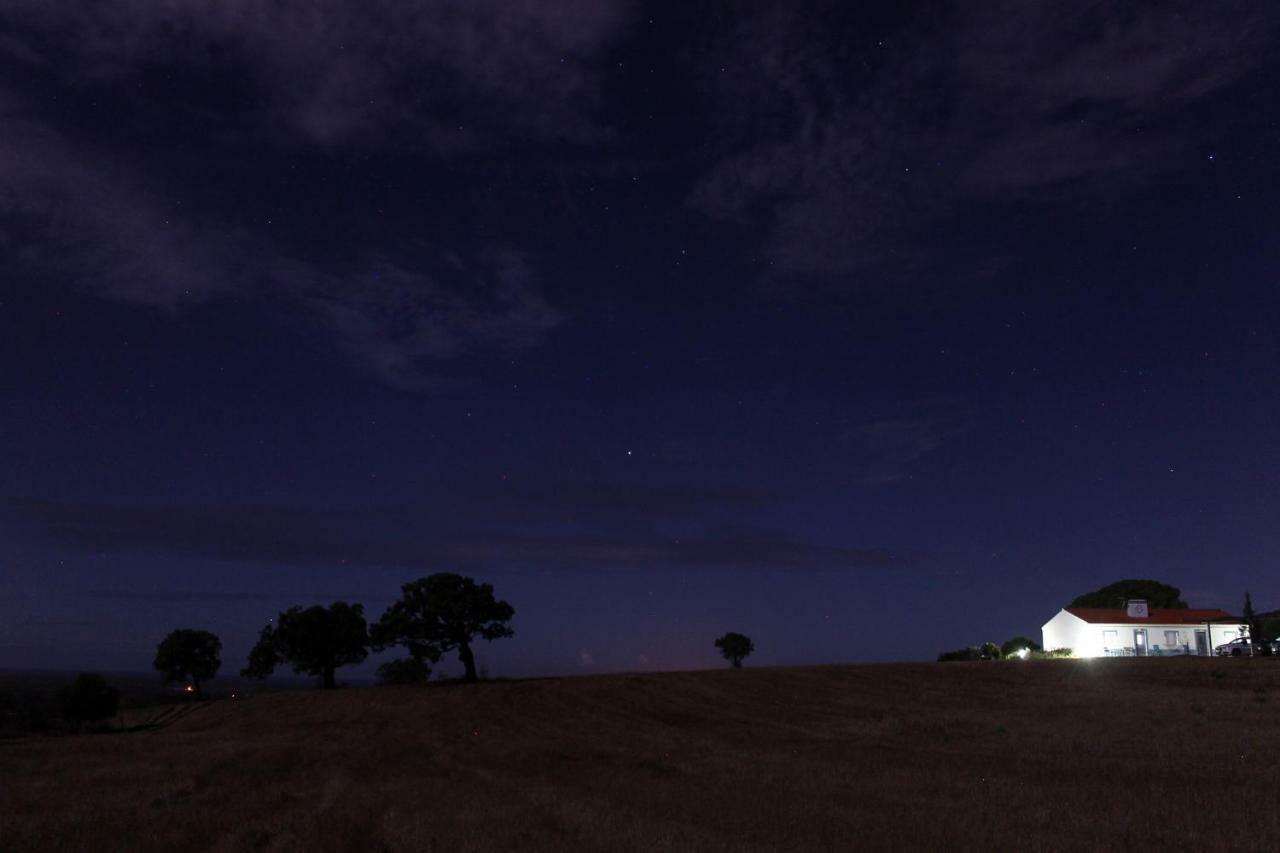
1036 755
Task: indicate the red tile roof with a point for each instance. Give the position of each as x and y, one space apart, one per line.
1118 616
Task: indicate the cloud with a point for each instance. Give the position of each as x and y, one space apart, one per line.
851 162
894 447
393 319
410 539
334 71
65 212
207 596
65 216
607 501
79 207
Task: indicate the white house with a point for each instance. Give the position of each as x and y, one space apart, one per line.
1136 630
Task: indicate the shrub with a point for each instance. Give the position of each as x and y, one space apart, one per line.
1053 654
88 699
404 671
1013 645
990 651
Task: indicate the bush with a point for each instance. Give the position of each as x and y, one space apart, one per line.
404 671
990 651
1016 644
88 699
1053 654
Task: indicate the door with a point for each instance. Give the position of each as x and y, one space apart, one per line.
1202 644
1140 642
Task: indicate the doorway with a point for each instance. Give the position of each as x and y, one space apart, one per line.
1140 642
1202 644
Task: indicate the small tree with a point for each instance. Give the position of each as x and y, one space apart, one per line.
1251 622
316 641
88 699
734 647
189 655
442 612
408 670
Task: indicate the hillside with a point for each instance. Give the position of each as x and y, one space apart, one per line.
1030 755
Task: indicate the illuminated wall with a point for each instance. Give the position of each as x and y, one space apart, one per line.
1092 639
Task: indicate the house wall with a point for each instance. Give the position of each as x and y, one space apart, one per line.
1089 639
1227 633
1064 631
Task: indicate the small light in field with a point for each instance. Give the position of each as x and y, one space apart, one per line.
189 689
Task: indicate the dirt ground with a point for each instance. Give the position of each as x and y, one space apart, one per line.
1016 755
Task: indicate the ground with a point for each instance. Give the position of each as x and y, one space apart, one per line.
1027 755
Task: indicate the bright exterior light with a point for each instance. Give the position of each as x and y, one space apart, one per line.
1022 653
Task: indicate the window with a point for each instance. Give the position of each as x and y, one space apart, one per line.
1109 639
1171 638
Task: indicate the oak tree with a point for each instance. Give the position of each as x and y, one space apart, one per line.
734 647
440 613
315 641
189 655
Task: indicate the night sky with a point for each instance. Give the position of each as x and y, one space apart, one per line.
867 333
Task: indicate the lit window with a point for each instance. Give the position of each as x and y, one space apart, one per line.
1171 638
1109 639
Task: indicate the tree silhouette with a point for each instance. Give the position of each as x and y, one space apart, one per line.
88 699
1251 620
1156 594
442 612
316 641
734 647
189 655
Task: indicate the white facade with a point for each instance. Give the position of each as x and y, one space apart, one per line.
1089 639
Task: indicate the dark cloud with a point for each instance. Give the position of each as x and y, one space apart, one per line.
59 623
852 158
604 500
210 597
405 538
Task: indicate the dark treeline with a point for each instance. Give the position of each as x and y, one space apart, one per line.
435 616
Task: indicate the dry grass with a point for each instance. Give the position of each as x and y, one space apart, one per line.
1053 755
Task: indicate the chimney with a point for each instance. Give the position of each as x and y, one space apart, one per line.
1136 608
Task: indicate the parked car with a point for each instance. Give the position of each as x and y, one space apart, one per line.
1239 647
